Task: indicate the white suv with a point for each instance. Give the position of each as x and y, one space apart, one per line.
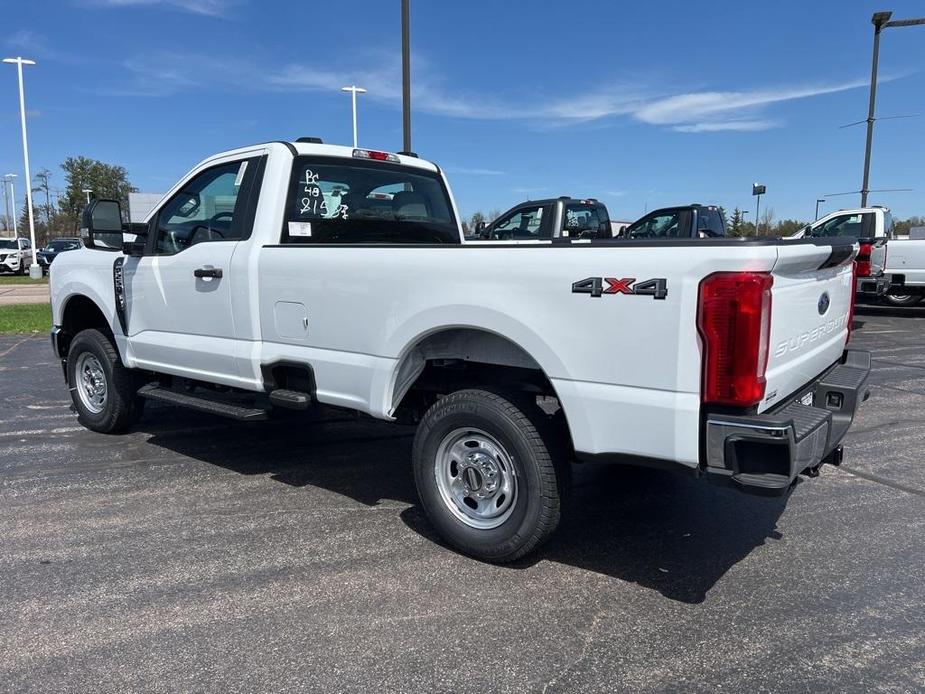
14 255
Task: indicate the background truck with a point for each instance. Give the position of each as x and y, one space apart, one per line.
682 222
872 228
906 268
562 217
283 276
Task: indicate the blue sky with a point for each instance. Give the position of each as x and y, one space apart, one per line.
640 104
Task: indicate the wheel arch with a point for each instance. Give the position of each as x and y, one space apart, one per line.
81 312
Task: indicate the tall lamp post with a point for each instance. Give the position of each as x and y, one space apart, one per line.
818 201
406 74
757 190
354 90
9 178
35 272
881 21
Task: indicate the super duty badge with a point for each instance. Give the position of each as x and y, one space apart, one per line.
657 288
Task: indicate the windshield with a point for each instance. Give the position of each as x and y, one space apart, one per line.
61 245
345 201
8 243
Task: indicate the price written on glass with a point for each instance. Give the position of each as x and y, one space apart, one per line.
313 203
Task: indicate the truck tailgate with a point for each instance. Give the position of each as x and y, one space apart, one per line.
810 307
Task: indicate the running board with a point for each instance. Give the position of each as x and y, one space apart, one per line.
153 391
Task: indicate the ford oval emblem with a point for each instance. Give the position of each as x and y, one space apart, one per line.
824 302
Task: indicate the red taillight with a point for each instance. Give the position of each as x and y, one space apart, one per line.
863 267
734 320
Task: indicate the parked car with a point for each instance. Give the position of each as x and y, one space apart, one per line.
906 268
15 255
53 248
534 220
253 287
682 222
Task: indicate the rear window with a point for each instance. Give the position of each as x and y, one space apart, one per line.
585 217
342 201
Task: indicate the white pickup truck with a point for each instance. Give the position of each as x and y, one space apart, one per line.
298 273
888 265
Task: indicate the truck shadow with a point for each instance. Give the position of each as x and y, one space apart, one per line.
891 311
663 531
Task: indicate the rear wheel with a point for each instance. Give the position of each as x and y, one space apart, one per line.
490 470
904 299
102 389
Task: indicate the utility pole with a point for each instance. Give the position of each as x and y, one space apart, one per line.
6 202
406 74
43 177
35 272
880 20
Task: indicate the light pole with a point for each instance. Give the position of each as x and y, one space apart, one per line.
406 74
9 177
87 191
354 90
818 200
35 272
880 20
758 190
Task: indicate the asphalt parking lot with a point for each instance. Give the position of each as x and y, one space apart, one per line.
196 554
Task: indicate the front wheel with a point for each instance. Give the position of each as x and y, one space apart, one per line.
102 389
904 299
490 473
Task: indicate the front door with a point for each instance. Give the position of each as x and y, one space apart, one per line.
179 315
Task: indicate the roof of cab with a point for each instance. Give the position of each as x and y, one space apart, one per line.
322 150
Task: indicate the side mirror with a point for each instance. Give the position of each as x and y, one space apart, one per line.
101 225
135 240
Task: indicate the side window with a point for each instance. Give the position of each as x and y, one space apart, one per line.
660 225
524 223
842 225
208 208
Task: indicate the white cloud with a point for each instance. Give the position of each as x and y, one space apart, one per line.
707 110
210 8
474 172
740 126
690 112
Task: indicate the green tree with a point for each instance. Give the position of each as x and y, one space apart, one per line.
734 228
786 227
901 228
105 180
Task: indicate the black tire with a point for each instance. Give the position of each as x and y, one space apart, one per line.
121 406
905 299
536 451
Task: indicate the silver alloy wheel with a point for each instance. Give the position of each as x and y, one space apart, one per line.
90 382
476 478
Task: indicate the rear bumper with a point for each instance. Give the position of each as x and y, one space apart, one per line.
873 286
764 453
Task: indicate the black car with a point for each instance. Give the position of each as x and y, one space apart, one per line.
54 247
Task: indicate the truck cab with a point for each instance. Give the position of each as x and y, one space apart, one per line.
553 218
